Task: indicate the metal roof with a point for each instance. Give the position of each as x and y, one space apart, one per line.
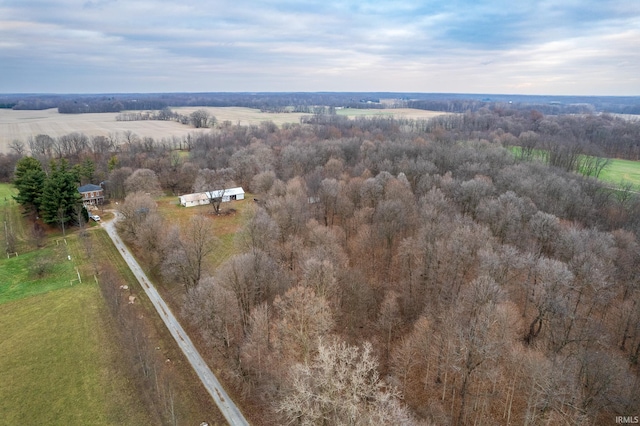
89 187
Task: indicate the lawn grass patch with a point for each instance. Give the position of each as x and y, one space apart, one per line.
35 272
56 366
11 215
622 171
7 191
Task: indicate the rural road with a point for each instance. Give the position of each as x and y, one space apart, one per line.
209 380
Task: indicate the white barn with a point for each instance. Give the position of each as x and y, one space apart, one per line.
201 198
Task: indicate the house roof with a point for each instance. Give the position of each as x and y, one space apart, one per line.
193 197
89 187
228 191
201 196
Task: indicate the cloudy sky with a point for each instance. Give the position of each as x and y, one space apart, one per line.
561 47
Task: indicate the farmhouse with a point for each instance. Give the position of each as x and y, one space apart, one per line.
91 194
200 198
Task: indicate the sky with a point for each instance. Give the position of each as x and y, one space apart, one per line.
550 47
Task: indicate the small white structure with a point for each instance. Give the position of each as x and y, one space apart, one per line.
201 198
190 200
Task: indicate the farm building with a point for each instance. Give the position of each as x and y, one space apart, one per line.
91 194
200 198
190 200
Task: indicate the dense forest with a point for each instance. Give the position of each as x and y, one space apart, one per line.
396 271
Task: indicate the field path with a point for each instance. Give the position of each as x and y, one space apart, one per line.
209 380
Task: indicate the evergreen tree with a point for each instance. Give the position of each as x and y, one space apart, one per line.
85 171
60 195
29 180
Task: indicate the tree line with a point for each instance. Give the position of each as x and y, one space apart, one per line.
396 271
306 101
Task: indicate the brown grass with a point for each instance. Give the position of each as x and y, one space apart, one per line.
20 125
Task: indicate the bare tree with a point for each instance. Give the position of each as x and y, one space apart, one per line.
253 278
303 320
18 147
186 254
135 210
200 118
41 147
341 386
259 233
214 183
212 309
389 318
115 186
143 180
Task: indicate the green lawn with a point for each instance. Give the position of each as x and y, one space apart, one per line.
56 366
11 213
616 172
19 278
622 171
6 192
58 356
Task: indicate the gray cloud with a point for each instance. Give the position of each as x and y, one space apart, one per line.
555 47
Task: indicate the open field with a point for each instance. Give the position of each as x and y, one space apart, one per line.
616 172
415 114
62 360
57 364
20 125
244 116
20 278
626 171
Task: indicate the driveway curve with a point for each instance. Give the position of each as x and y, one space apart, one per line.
229 410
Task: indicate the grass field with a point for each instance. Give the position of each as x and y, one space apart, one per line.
416 114
21 125
622 171
616 172
56 368
10 213
20 279
57 363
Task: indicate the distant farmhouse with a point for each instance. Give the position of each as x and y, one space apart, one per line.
91 194
201 198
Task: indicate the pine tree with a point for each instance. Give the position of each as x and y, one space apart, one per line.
60 195
85 170
29 180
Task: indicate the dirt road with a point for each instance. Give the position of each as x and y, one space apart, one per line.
209 380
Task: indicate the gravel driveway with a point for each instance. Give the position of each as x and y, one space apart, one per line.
209 380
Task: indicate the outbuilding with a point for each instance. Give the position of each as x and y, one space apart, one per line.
190 200
230 194
201 198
